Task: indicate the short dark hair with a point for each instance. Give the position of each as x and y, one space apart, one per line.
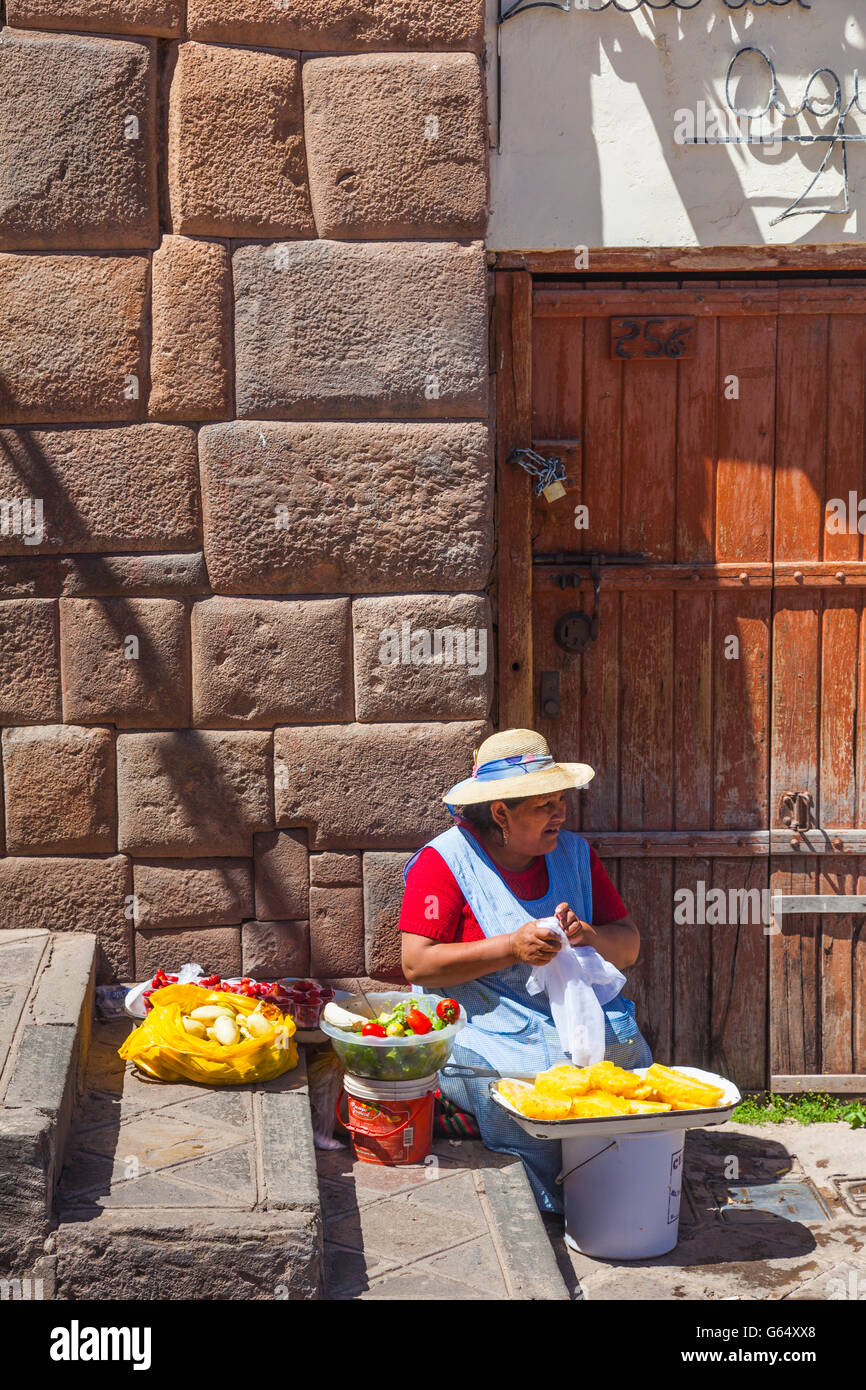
479 815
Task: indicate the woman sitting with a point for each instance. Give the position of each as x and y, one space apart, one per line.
470 922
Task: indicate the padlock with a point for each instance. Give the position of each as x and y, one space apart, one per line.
553 491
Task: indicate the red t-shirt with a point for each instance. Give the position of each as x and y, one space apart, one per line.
434 905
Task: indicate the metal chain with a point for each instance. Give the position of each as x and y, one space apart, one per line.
546 471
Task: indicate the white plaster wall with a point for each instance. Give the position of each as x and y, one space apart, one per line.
586 131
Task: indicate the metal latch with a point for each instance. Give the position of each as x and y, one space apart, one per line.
550 696
575 630
795 810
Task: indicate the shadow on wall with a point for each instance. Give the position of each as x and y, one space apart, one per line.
590 105
193 780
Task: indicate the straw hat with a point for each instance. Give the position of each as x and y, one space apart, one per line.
516 762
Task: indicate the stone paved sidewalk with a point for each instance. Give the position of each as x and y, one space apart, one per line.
772 1212
462 1226
158 1176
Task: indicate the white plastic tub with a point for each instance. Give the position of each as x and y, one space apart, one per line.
622 1195
622 1174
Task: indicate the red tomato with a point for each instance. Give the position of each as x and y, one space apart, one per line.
418 1022
373 1030
448 1010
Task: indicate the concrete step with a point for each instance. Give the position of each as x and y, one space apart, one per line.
461 1226
184 1191
46 1007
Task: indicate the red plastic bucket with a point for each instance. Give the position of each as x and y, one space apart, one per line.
391 1122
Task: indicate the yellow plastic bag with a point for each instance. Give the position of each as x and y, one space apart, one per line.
161 1048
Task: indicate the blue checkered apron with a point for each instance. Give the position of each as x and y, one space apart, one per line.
511 1032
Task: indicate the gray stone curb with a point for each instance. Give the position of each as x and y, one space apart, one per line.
46 1001
525 1248
195 1254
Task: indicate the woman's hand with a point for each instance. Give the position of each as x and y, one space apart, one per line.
534 944
579 933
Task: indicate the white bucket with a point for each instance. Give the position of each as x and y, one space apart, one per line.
622 1196
365 1089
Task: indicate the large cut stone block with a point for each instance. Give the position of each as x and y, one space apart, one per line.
351 508
332 870
72 337
370 786
29 662
260 662
191 892
34 577
383 897
423 656
397 145
197 1254
159 17
217 950
59 790
77 143
347 329
326 25
90 895
27 1169
144 576
122 488
190 794
191 352
125 661
282 876
336 932
274 950
236 162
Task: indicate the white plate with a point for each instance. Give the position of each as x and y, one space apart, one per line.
629 1124
134 1002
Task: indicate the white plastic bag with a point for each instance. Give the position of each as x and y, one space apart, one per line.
577 982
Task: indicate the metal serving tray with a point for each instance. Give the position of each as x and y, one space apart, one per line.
628 1124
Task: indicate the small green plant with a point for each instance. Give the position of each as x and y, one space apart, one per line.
808 1108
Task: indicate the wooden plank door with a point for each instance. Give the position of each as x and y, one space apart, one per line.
818 961
713 681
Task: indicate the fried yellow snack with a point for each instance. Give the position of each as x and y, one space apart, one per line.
597 1104
536 1107
604 1076
677 1087
562 1081
620 1103
511 1090
644 1092
647 1107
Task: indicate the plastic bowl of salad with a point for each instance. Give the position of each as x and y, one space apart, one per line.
401 1053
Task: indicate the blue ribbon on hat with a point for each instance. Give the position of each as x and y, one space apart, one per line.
499 768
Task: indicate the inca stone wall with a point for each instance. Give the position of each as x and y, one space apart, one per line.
245 480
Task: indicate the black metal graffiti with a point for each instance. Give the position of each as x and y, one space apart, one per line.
827 105
630 6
